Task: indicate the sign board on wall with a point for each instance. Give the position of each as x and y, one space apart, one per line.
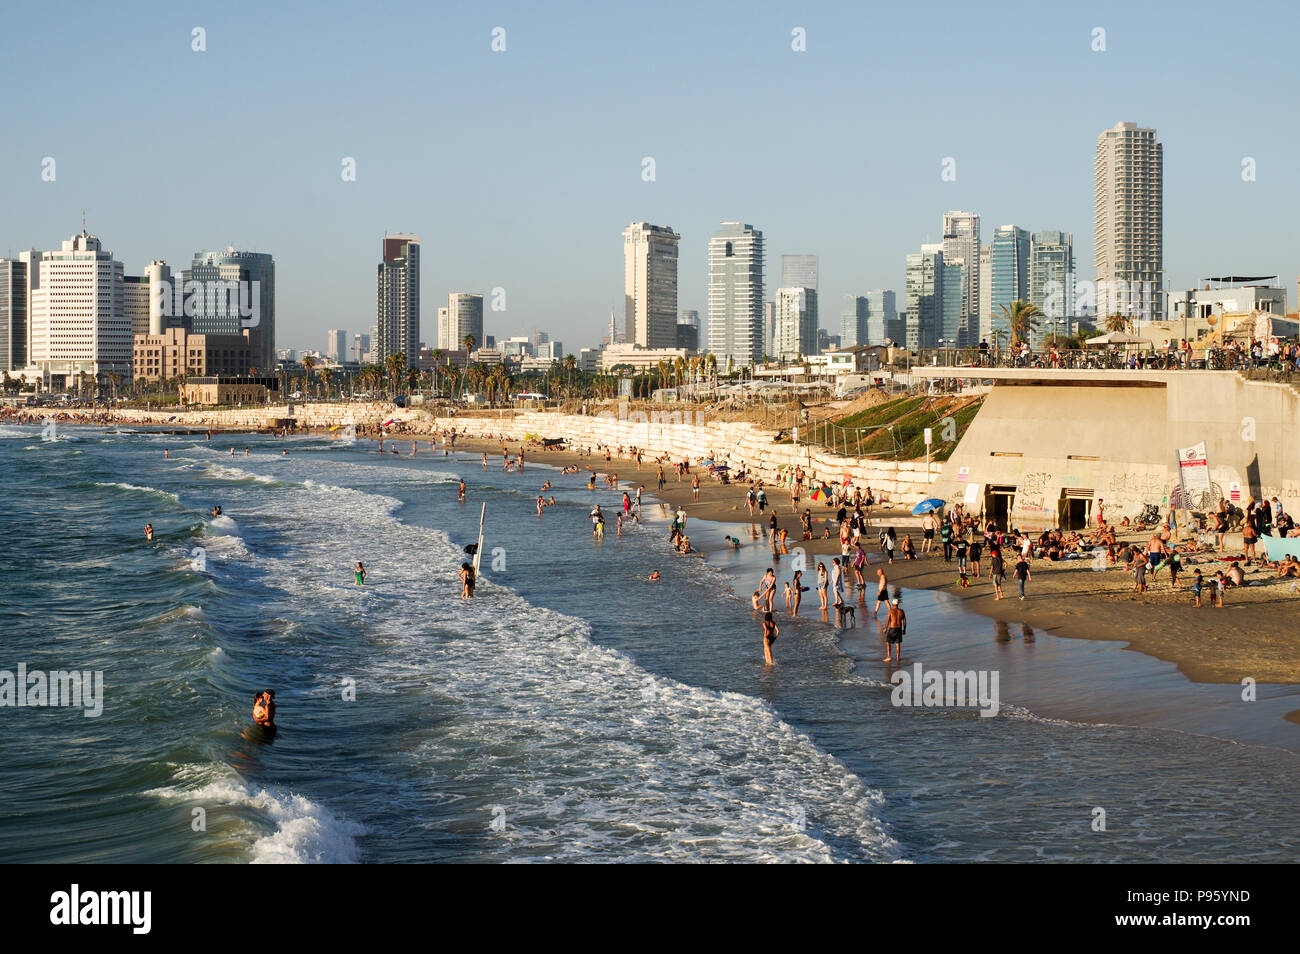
963 473
1234 490
1194 471
972 495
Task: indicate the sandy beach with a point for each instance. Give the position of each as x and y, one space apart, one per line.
1254 634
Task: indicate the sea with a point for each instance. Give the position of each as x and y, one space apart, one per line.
572 711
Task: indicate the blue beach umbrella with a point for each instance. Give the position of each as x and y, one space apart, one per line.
930 503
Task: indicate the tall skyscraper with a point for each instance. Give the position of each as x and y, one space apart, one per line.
769 328
953 325
398 300
854 315
736 295
78 325
690 317
464 317
147 299
237 292
17 278
336 345
1051 281
650 285
1129 223
360 347
985 326
1009 269
799 271
961 243
924 297
882 318
796 323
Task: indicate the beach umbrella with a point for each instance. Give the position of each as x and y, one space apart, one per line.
927 505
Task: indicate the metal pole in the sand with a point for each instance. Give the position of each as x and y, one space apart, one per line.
928 435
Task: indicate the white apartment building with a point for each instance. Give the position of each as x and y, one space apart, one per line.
78 317
650 285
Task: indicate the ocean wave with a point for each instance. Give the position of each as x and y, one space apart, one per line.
138 489
301 831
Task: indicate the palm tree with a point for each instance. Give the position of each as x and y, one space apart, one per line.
570 363
395 363
327 376
1116 322
437 360
469 343
1021 319
412 379
308 362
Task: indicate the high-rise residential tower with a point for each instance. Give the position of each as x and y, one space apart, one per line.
1129 223
464 317
924 297
18 277
1009 272
336 344
1051 281
77 321
398 300
236 291
984 327
961 243
736 295
882 317
650 285
854 316
796 323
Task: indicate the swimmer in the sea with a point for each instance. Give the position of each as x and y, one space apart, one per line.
654 576
166 454
148 532
540 504
264 708
360 574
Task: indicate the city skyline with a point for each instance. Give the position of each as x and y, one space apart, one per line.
583 181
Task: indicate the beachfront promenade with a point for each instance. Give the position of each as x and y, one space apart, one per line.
1050 445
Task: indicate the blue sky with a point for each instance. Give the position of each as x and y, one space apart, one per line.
520 169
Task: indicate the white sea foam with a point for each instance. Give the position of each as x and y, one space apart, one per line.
138 489
536 689
300 830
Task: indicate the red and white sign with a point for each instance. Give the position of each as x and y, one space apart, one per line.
1194 469
963 473
1234 490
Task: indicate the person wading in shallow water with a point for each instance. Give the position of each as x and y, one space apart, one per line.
770 632
264 708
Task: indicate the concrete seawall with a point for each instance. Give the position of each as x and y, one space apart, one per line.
673 431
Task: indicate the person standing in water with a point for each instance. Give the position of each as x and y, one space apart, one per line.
460 494
148 532
466 576
895 629
770 632
882 590
798 587
264 708
360 574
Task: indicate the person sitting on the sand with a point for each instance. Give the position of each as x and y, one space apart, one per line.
1289 567
1236 576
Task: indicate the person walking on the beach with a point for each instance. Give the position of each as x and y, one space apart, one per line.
895 630
661 480
695 487
976 548
1023 575
891 543
770 632
859 565
360 574
882 589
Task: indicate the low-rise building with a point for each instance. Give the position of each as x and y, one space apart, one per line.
175 351
217 389
638 357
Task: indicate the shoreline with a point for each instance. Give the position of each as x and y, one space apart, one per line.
1251 636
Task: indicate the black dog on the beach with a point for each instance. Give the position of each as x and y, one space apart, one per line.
845 611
